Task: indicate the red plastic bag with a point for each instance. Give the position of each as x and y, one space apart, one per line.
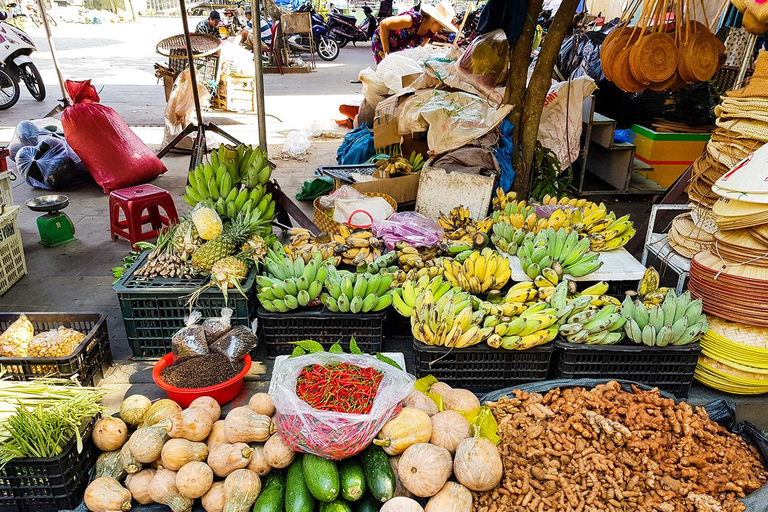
112 153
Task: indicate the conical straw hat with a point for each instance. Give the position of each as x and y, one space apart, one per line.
748 180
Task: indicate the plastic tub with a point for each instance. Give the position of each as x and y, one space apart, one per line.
222 393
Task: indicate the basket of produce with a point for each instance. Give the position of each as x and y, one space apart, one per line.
47 448
654 445
323 218
66 345
208 359
333 404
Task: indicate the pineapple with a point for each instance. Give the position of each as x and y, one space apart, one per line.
226 244
228 272
185 239
256 247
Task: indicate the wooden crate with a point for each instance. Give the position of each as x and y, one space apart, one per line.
236 93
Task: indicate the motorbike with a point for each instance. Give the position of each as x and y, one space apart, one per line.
343 28
17 66
327 48
233 20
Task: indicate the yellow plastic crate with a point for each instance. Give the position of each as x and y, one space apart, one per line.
669 154
13 266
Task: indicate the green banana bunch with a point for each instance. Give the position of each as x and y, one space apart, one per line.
405 297
678 320
290 284
383 262
507 238
350 292
535 326
581 322
416 160
560 250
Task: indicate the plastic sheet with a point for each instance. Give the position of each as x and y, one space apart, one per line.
236 343
51 164
484 63
309 430
190 340
580 55
411 227
114 155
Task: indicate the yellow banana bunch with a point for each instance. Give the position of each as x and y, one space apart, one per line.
395 166
501 199
607 233
458 225
650 293
563 201
535 326
481 272
353 247
446 322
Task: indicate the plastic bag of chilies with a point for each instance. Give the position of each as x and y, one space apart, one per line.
333 435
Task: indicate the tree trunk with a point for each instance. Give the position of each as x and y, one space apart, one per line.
520 59
536 94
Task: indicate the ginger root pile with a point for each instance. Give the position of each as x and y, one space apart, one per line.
578 450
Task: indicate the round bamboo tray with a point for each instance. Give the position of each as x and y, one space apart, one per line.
328 225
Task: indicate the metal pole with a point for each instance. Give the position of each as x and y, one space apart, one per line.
191 60
258 81
748 52
52 46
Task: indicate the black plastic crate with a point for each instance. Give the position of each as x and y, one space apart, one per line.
668 368
481 368
48 484
397 326
279 330
87 363
154 308
342 173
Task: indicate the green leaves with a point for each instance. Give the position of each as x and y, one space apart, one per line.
385 359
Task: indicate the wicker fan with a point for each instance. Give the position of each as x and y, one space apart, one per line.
202 46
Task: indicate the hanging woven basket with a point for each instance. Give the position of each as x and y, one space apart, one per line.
654 58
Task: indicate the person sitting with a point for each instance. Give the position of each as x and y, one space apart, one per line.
412 29
209 26
246 35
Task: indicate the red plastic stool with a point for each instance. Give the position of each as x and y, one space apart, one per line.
133 201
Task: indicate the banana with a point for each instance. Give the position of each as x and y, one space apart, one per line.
649 335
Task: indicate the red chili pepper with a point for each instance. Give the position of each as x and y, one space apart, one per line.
340 388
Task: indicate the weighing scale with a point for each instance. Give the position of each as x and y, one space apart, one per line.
55 227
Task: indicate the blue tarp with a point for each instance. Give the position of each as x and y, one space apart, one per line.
357 147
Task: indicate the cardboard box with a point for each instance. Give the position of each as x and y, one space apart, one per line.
402 189
385 129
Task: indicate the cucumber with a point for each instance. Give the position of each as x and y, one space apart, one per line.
352 479
272 497
335 506
367 504
378 473
297 495
322 477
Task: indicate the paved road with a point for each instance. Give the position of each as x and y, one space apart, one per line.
119 58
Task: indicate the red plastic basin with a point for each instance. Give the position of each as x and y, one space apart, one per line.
222 393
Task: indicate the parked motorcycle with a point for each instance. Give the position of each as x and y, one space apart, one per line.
343 28
327 48
16 66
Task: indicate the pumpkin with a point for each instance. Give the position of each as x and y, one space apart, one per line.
261 403
421 401
454 497
127 460
460 400
146 443
217 434
178 452
193 424
241 488
277 453
209 405
449 428
402 504
409 427
138 484
242 425
440 388
477 464
163 490
109 434
105 494
424 468
110 464
134 408
258 463
213 501
226 458
194 479
160 411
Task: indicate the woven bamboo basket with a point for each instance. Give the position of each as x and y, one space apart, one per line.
328 225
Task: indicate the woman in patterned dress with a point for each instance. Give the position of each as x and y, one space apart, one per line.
411 29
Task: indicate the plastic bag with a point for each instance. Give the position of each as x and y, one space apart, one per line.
217 326
306 429
14 341
206 221
411 227
362 213
484 62
59 342
343 192
190 340
28 133
180 109
51 164
297 143
236 343
357 147
114 155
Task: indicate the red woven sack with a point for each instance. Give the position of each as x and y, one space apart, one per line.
112 153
